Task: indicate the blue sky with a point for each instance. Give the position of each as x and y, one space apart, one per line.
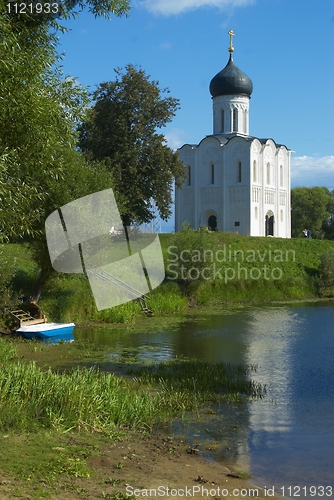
285 47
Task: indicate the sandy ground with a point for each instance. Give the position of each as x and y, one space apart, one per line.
154 467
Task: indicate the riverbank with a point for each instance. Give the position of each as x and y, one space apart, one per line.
81 466
66 462
199 433
202 270
93 433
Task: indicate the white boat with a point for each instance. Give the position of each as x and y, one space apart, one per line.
53 332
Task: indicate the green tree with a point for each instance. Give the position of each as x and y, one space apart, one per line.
35 13
328 224
99 8
39 111
121 129
40 167
309 208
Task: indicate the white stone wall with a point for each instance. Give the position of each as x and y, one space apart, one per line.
237 122
250 180
270 189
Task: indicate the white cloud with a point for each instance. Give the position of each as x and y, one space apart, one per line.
311 171
175 138
170 7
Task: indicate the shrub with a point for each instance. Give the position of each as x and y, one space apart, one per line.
326 274
8 298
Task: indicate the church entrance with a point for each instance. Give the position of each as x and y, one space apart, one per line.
212 223
269 228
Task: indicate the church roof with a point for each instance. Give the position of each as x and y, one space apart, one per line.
223 140
230 81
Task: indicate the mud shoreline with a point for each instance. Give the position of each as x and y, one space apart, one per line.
155 466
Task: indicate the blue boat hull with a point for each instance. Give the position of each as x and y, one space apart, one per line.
47 334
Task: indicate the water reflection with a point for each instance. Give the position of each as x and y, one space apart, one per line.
286 438
291 441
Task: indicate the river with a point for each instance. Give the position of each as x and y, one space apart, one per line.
287 438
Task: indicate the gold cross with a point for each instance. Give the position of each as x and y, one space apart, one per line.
231 48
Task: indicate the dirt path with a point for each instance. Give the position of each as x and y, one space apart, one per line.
155 467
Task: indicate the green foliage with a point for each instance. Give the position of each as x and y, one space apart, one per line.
39 110
86 399
8 296
100 8
69 297
120 129
82 399
310 207
167 298
326 271
217 268
64 9
40 458
17 195
328 224
40 168
189 253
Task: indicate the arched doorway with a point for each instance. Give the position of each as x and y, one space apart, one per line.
209 218
212 222
269 224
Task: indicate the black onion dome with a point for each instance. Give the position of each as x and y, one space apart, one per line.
231 80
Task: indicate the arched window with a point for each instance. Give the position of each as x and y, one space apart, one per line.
239 171
235 120
281 183
212 173
281 215
245 121
254 171
268 173
189 175
256 212
223 121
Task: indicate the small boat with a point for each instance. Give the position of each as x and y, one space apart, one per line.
52 332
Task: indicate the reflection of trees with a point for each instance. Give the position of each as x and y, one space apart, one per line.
212 338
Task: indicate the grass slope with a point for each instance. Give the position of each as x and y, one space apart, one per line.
201 268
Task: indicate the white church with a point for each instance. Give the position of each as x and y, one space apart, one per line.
235 182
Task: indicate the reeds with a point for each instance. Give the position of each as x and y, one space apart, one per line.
88 399
77 399
80 399
184 383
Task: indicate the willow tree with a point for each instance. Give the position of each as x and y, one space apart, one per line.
40 167
39 112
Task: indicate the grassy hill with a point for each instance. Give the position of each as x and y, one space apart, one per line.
211 269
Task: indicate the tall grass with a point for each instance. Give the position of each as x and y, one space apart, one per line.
31 398
81 399
167 298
